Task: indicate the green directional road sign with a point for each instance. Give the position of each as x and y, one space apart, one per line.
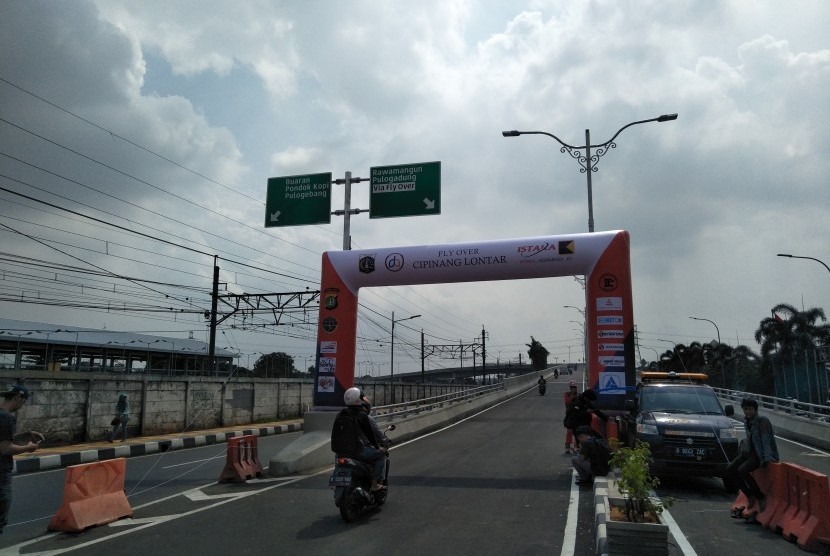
405 190
298 200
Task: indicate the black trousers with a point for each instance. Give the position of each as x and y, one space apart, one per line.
741 469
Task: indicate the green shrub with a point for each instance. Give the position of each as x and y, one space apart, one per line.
635 482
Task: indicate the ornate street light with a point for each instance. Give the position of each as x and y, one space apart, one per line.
588 161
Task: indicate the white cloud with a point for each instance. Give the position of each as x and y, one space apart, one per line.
244 91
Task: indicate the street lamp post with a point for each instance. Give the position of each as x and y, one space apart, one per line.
588 161
808 373
720 364
584 332
713 324
392 353
800 257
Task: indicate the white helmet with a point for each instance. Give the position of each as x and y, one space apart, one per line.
352 396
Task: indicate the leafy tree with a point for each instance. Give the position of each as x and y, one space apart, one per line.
274 365
538 354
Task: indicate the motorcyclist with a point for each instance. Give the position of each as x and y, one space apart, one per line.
371 453
379 436
541 380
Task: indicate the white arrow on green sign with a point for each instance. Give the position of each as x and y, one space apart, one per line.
405 190
298 200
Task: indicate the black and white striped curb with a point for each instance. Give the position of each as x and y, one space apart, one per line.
600 515
56 461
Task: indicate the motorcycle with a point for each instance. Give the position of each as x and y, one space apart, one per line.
542 388
556 373
352 484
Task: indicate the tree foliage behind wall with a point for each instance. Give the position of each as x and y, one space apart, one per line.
538 354
785 367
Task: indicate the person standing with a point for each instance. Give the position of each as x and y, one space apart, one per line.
12 444
582 411
761 450
570 396
122 415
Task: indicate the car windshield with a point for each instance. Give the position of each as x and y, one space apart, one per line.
680 399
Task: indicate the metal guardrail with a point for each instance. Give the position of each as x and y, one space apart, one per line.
414 407
816 412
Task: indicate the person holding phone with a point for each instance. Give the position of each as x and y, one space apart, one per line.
12 444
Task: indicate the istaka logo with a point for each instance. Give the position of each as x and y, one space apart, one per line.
533 250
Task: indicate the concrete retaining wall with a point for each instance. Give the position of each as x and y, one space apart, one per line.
78 407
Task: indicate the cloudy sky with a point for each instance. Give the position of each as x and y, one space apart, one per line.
136 140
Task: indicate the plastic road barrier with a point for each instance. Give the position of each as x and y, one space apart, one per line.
93 494
242 461
796 504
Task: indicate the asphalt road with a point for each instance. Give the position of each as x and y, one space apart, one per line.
496 483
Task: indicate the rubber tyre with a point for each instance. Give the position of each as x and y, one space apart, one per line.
350 507
730 485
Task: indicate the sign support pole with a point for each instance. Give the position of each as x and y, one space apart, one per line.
347 213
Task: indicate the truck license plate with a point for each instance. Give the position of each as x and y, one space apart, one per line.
690 452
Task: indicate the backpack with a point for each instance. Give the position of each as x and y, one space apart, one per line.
345 434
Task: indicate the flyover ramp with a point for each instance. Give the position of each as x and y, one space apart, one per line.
313 451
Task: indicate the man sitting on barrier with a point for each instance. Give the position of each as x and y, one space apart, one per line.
760 449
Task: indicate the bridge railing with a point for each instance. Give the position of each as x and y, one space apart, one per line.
414 407
789 406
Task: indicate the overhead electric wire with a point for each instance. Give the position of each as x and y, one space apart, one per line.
422 309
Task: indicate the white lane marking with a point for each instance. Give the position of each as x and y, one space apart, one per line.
191 462
144 523
569 541
682 542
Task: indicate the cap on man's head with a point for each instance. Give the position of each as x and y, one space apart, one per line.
16 389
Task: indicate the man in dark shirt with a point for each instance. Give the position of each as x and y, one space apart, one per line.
12 444
761 449
593 457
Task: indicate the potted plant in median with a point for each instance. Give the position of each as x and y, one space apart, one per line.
637 528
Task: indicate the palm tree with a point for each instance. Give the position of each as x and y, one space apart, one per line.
787 341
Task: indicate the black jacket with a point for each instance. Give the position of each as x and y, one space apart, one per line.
363 422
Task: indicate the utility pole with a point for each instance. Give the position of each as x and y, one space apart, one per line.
213 306
483 355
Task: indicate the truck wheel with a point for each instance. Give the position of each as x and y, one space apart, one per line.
730 485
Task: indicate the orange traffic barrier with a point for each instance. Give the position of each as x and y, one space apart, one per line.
807 519
796 503
93 494
242 462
